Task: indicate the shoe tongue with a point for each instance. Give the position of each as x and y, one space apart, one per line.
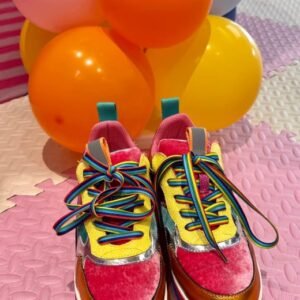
173 147
99 150
128 154
197 139
196 142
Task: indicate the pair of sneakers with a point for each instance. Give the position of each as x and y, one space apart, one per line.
169 229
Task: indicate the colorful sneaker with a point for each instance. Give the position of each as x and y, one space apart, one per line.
117 254
207 232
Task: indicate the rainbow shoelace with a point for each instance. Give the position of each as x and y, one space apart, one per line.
205 211
116 191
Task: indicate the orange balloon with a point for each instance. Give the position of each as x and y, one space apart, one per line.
73 72
156 23
136 54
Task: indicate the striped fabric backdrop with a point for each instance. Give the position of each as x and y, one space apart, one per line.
13 79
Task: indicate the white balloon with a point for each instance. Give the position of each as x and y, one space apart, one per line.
222 7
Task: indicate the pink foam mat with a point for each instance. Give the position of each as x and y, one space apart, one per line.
266 167
36 264
278 43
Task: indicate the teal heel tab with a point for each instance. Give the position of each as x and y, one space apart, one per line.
169 107
107 111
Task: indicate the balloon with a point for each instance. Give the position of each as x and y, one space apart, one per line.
155 23
217 88
173 66
32 40
57 16
136 54
222 7
73 72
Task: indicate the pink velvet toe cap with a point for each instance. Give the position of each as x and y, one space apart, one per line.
209 271
132 281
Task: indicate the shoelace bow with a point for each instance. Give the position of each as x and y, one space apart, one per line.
205 210
113 202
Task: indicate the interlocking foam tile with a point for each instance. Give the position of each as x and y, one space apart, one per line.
266 167
36 264
27 155
280 11
279 43
278 102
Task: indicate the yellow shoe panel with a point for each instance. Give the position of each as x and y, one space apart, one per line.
196 237
111 251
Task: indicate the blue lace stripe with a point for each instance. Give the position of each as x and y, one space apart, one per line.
188 167
120 237
226 188
114 202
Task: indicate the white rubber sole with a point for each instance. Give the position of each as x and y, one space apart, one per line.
261 288
77 295
166 293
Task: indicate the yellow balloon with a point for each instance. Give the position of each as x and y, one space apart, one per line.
172 68
218 87
32 40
